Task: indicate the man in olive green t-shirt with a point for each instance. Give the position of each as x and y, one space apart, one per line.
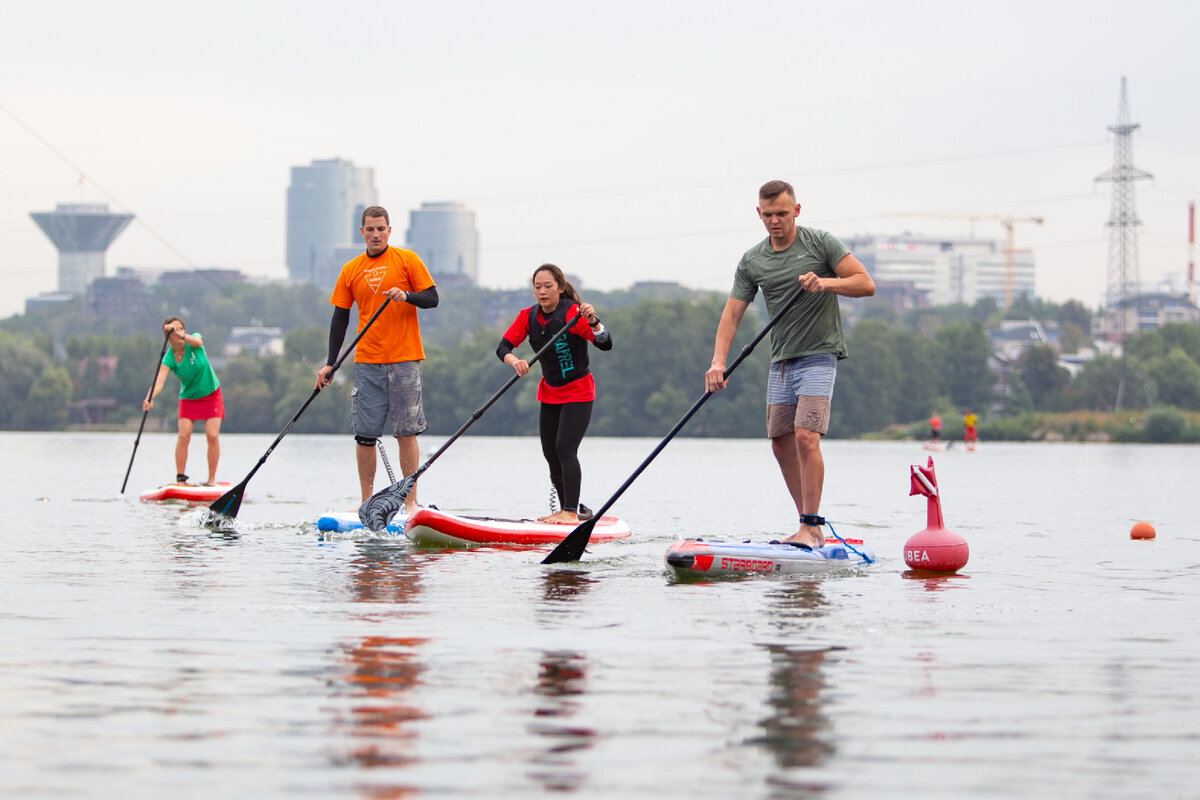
806 342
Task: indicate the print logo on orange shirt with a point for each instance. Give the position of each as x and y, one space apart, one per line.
374 276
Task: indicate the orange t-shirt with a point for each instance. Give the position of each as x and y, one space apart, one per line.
396 335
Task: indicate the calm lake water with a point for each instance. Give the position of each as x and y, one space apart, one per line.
145 656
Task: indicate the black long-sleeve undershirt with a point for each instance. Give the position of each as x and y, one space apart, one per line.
338 325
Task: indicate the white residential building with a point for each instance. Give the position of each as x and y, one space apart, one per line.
948 270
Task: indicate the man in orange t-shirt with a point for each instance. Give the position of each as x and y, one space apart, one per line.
387 360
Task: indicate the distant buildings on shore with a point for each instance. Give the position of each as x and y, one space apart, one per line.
946 270
326 199
444 236
325 202
82 233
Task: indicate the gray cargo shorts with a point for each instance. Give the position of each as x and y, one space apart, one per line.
799 394
387 395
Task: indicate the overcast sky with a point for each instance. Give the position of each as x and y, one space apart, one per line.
624 141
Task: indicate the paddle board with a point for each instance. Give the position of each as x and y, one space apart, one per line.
347 521
703 558
433 528
185 493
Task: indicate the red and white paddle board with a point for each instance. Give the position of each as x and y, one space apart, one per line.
185 493
433 528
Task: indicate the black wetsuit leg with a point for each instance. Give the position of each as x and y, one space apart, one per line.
562 426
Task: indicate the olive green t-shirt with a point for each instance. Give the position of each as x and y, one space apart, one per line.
196 376
814 324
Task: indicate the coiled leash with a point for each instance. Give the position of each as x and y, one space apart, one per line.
818 521
386 463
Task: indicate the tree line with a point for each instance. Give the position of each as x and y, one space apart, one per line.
902 367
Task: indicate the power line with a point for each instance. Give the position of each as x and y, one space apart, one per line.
84 176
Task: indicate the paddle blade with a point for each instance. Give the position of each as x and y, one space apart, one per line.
377 510
227 505
572 547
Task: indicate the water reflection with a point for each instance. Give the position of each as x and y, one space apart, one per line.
191 554
560 586
934 582
797 732
561 684
386 573
381 671
377 674
794 602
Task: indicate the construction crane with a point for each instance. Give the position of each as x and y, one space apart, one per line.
1009 222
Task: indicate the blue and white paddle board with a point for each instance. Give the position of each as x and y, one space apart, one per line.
347 522
703 558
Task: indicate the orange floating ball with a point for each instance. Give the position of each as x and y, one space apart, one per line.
1141 530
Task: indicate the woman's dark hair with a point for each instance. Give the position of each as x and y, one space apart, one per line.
564 286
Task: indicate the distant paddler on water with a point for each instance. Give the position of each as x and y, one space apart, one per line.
970 439
199 395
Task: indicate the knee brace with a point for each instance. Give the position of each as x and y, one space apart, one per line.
366 441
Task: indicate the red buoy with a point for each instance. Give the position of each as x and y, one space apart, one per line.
1141 530
934 549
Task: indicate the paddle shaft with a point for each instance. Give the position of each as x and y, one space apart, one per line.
571 548
225 502
411 479
138 438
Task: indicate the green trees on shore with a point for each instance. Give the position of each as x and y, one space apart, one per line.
60 363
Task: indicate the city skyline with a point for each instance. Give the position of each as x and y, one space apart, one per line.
623 146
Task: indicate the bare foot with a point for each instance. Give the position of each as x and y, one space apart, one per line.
809 535
561 518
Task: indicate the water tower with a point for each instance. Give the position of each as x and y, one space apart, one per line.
81 232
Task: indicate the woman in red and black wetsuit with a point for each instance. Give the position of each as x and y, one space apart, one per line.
566 391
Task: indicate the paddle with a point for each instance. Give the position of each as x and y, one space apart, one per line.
153 381
377 510
571 548
227 505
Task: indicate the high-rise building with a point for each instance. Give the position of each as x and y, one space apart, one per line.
325 202
444 236
81 232
948 270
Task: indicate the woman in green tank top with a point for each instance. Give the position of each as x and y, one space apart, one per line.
199 395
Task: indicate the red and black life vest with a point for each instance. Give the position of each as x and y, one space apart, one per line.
568 360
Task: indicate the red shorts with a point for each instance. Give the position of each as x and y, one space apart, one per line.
206 407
